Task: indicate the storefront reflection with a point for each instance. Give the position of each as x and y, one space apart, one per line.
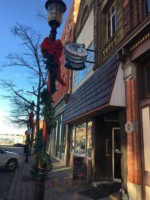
82 139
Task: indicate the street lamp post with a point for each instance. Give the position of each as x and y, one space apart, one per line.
55 10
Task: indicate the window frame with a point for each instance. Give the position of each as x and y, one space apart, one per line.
109 19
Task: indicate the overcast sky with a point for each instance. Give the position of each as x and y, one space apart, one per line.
24 12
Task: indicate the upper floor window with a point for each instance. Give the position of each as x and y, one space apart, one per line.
111 21
148 5
78 76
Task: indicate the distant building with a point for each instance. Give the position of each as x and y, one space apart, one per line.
11 139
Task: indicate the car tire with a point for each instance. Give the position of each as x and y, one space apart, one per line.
11 165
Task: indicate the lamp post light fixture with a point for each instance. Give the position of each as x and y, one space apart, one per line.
55 10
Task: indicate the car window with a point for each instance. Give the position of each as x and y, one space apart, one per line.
2 150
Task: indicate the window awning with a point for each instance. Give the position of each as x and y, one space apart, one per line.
97 91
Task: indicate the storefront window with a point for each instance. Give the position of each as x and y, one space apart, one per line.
81 139
80 147
73 139
60 138
89 139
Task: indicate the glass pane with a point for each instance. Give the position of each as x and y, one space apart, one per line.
148 78
81 139
117 154
75 78
114 23
55 12
89 139
109 33
78 76
73 139
89 67
90 57
148 5
113 9
63 141
109 23
82 74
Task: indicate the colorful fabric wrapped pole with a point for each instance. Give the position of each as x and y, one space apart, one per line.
52 51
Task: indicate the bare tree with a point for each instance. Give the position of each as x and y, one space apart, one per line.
31 59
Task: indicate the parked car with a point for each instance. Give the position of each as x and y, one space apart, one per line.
9 160
18 145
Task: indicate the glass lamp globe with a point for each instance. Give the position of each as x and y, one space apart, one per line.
55 10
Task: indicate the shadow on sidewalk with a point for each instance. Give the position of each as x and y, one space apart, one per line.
60 185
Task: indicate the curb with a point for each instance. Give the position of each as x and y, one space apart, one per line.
14 181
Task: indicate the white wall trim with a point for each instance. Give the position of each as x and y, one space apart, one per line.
118 92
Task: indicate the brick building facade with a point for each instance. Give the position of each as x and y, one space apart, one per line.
107 118
133 53
95 113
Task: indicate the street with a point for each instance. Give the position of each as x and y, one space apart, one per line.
7 177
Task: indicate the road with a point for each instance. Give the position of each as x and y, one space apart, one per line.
7 177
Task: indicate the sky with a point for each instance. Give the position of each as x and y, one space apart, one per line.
25 13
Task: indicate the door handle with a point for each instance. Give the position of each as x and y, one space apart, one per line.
117 151
107 147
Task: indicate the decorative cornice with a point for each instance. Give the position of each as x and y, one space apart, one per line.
127 40
140 41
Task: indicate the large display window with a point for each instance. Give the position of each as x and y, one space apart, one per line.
81 139
60 138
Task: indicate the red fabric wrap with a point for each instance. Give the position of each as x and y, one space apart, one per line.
31 116
45 132
55 49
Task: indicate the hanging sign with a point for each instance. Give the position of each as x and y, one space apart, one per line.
75 55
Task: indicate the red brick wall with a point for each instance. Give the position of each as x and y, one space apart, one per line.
133 150
134 11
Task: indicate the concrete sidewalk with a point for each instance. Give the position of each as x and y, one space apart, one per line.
58 184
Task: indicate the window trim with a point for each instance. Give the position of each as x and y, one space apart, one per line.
112 14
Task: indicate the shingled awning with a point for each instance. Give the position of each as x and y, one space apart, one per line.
95 92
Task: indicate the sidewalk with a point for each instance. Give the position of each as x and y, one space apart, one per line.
22 185
58 185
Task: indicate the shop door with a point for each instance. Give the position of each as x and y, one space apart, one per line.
145 126
116 154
